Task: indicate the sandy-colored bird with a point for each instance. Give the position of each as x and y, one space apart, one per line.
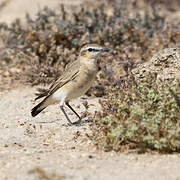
74 82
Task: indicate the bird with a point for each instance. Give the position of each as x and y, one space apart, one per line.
77 78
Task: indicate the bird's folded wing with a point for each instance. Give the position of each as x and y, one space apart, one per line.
69 74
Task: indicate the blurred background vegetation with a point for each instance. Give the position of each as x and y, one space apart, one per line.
138 112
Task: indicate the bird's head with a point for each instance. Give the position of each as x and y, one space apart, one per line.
92 51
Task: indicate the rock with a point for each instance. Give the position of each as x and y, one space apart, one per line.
166 63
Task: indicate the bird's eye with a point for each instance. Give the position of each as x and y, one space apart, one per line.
90 49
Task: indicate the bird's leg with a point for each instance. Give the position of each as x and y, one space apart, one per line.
77 122
64 112
62 109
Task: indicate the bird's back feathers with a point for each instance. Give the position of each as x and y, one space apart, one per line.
69 74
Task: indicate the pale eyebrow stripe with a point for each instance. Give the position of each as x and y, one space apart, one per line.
94 48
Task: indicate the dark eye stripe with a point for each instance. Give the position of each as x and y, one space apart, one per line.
91 49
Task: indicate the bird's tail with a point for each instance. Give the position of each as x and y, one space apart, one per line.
37 109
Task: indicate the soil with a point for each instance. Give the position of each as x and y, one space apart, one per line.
45 147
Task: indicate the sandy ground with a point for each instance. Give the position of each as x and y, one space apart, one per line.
58 150
47 142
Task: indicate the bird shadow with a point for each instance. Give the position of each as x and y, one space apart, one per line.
46 122
83 123
86 121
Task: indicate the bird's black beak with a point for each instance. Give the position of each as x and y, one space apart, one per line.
105 50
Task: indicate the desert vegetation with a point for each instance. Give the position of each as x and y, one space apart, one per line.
143 114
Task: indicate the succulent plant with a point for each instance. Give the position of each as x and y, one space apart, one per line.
144 115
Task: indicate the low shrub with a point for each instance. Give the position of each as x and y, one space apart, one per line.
144 115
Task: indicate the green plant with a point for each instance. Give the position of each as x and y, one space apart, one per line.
143 115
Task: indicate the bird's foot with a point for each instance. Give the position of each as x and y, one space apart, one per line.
77 123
